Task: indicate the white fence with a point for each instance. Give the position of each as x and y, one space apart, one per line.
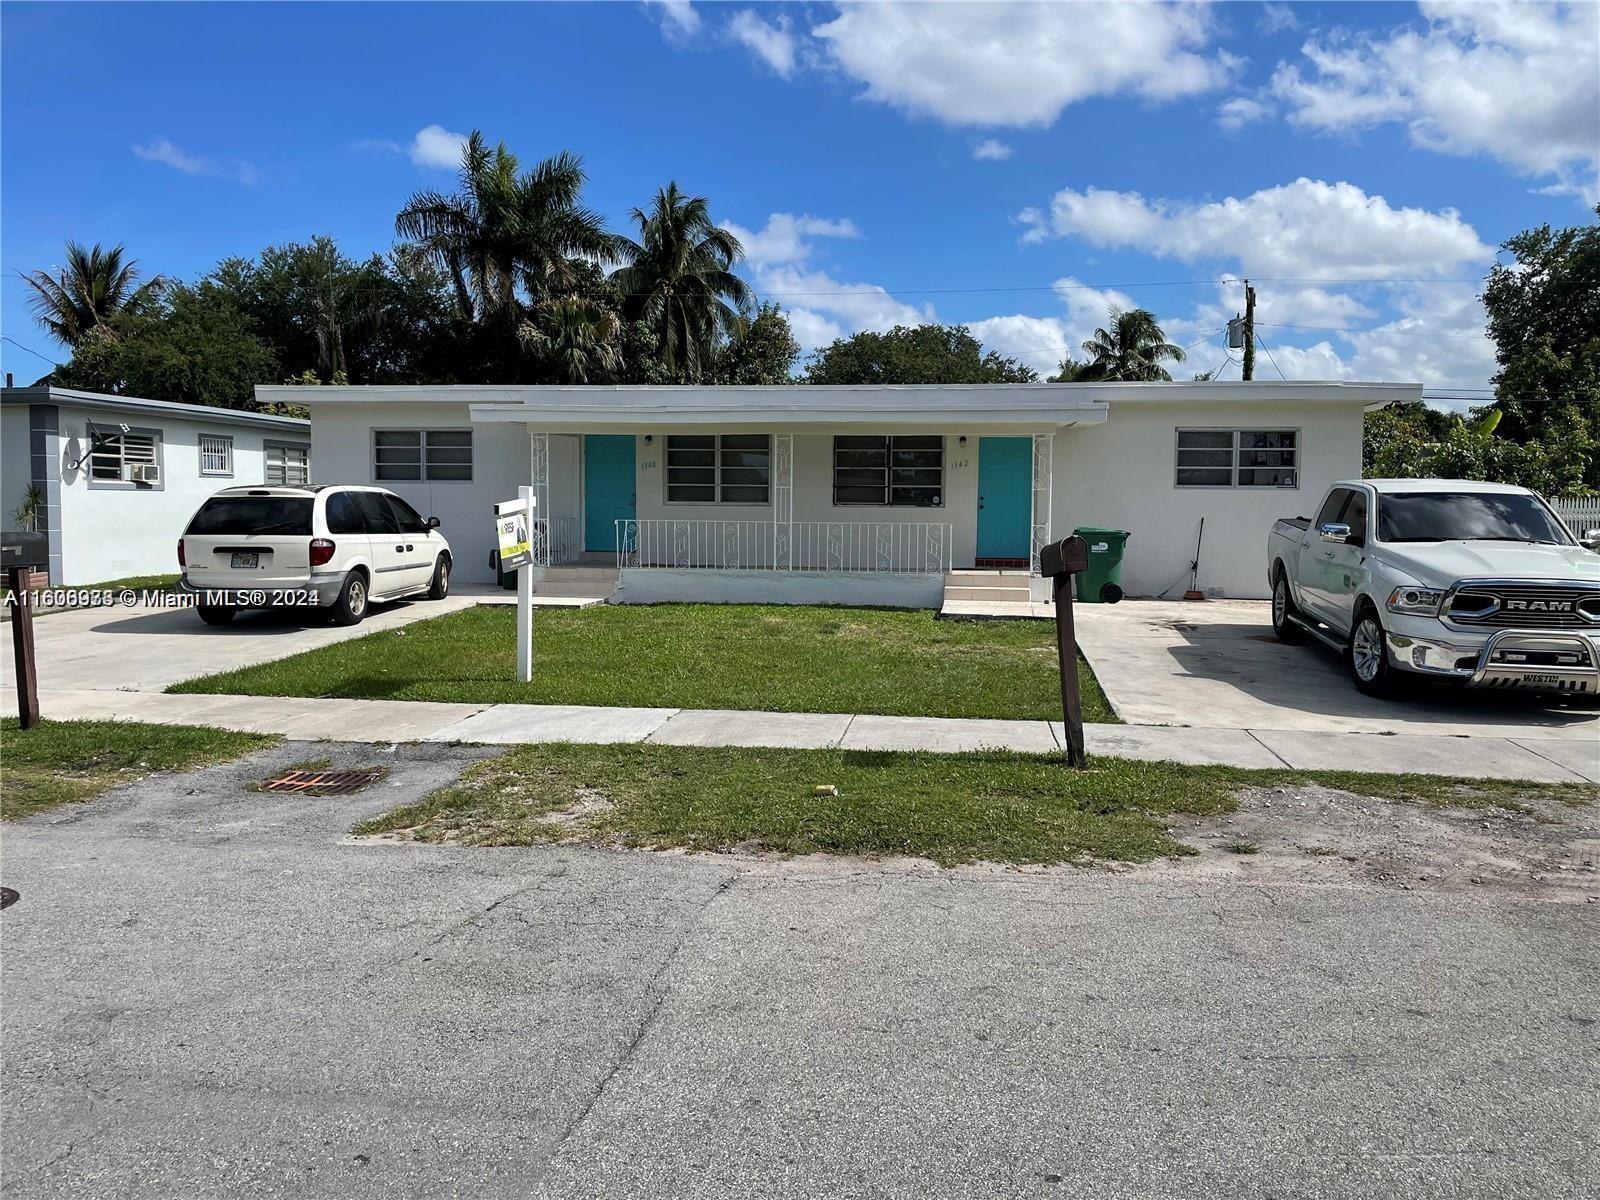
857 547
555 540
1579 512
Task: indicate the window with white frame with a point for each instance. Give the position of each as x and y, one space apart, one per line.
434 455
119 457
902 471
729 468
1238 458
288 466
216 454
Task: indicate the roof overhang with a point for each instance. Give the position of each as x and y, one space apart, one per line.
1023 406
1019 406
138 406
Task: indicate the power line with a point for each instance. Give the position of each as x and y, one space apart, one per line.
1272 360
20 346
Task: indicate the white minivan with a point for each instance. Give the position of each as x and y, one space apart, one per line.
333 547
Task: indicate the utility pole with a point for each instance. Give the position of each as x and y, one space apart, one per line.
1249 331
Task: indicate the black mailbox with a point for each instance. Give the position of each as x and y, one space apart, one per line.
1069 556
19 548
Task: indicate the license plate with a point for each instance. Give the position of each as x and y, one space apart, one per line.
247 561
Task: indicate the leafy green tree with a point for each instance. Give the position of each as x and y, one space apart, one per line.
94 286
1544 317
504 227
764 354
678 279
578 339
923 354
1131 347
193 346
1072 371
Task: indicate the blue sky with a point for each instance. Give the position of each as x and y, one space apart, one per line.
1015 167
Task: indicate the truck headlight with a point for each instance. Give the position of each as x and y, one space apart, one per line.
1418 602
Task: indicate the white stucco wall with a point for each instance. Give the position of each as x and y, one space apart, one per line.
113 532
1121 474
341 452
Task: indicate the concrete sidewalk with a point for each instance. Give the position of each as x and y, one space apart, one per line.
1547 760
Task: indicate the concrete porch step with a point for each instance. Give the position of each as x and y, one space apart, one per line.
961 592
971 578
567 574
591 588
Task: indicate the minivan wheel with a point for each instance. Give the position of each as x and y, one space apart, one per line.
215 614
351 605
1368 656
1283 609
439 588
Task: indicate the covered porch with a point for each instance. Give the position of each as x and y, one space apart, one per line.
888 483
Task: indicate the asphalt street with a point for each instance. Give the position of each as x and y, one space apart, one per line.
211 991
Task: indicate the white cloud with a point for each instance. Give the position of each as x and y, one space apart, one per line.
1042 342
1234 113
991 150
784 238
1307 229
678 17
1519 82
854 306
1021 63
775 45
1275 18
165 152
811 329
436 146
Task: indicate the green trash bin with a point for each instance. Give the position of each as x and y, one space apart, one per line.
1101 583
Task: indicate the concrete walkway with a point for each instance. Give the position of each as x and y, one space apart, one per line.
1550 760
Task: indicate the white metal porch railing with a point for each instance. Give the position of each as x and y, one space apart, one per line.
1578 512
858 547
555 540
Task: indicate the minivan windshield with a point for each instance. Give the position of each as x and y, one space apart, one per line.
289 515
1466 517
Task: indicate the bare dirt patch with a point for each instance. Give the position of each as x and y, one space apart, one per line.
1540 849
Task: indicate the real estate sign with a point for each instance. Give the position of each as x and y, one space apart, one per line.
513 521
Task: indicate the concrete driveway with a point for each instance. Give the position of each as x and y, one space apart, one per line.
1217 664
141 648
212 992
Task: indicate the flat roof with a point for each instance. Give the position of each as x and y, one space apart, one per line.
1030 404
107 402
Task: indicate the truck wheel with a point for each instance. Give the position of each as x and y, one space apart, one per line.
1283 608
1368 657
351 605
215 614
439 588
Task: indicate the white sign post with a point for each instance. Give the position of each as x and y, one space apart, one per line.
514 534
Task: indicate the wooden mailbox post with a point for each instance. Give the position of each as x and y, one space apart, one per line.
1059 562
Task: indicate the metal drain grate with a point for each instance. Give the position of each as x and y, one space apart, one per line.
321 783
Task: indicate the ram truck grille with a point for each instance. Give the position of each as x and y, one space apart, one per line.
1526 606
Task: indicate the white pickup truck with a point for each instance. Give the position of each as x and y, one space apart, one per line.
1475 582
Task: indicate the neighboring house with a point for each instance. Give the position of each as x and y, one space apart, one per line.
852 494
119 477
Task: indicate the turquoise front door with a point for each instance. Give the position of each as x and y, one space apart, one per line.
608 488
1005 497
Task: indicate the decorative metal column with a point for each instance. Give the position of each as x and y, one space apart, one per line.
783 502
1043 465
539 523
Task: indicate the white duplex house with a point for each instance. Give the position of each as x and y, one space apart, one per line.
118 477
856 495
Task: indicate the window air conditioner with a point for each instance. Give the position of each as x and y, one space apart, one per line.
144 473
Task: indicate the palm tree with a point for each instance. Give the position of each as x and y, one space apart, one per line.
503 227
678 279
1132 348
93 287
578 337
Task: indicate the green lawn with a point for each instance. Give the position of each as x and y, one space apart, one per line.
995 807
64 762
741 656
